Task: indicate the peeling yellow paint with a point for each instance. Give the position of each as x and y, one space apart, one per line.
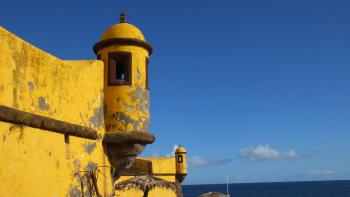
127 106
38 161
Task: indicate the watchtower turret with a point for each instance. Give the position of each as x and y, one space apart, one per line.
125 54
181 163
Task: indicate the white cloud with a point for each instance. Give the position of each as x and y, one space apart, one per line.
196 161
264 152
321 172
172 154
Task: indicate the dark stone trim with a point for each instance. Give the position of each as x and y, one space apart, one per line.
122 41
120 137
14 116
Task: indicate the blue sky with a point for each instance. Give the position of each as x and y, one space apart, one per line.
255 89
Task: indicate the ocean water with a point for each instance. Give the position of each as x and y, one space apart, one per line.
280 189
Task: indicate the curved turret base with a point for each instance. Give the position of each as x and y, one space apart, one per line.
122 148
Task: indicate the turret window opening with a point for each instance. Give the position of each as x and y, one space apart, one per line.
119 68
179 159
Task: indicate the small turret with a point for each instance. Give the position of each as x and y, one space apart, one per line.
181 163
125 52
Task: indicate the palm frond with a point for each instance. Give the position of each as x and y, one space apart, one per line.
145 183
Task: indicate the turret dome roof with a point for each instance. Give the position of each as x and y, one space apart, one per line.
123 30
180 149
122 34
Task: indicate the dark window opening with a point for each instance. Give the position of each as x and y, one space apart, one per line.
179 159
147 87
119 68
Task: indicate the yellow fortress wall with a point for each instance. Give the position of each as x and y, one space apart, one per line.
35 81
35 161
65 130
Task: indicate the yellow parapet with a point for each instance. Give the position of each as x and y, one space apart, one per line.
38 162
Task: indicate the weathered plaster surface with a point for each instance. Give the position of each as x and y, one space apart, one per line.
36 82
89 147
43 105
